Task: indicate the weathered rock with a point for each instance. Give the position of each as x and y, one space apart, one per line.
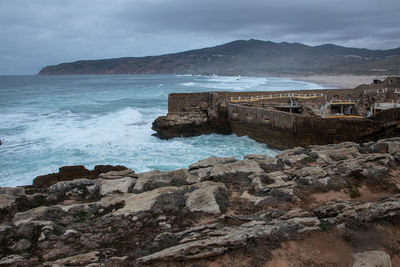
256 156
99 169
7 203
13 260
236 172
150 181
203 173
66 173
332 153
77 260
271 164
212 244
123 185
374 258
176 216
42 213
69 173
257 200
118 174
209 197
75 189
15 191
156 200
211 161
343 210
308 174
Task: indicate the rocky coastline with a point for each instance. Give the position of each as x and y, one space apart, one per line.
331 205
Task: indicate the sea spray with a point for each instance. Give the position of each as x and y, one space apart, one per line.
52 121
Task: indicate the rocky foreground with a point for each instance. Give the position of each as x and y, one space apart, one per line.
335 205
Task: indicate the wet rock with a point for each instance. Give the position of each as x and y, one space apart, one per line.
256 157
65 173
69 173
150 181
99 169
372 258
211 161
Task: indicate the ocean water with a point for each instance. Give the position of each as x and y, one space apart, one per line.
51 121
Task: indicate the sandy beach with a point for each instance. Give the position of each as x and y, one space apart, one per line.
339 81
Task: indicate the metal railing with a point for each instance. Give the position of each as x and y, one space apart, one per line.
275 96
384 90
342 102
387 105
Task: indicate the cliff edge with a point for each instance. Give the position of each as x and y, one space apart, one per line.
334 205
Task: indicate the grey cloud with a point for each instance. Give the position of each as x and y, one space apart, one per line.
42 32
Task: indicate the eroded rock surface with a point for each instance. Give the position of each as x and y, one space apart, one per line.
339 203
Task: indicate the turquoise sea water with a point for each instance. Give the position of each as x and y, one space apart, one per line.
52 121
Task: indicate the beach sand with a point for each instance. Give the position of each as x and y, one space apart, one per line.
339 81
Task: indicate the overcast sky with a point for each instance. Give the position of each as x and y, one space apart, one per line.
36 33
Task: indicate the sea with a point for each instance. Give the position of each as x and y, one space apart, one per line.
51 121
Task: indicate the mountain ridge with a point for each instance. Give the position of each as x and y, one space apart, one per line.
245 57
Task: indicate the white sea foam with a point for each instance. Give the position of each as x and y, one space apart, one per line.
107 120
189 84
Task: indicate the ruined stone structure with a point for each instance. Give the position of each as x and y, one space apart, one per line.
289 118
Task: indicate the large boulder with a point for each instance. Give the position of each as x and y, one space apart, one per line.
211 161
209 197
155 201
152 180
118 174
236 172
123 185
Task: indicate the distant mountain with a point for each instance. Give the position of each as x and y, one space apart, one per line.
251 57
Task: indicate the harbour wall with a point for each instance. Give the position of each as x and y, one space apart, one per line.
191 114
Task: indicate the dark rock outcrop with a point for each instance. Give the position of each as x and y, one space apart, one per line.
337 204
68 173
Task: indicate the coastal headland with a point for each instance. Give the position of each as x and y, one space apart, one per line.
288 118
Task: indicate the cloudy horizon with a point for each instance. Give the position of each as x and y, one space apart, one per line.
46 32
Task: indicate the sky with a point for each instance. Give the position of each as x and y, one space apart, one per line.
36 33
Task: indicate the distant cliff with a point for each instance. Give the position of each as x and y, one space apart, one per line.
252 57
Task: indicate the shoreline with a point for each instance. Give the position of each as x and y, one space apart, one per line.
213 210
342 81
